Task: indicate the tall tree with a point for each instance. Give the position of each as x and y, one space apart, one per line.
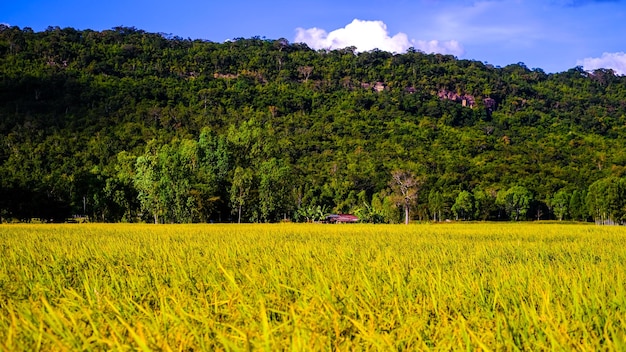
560 204
577 207
146 181
406 187
606 200
435 204
240 191
274 189
464 206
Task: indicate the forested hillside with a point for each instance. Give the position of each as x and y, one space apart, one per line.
125 125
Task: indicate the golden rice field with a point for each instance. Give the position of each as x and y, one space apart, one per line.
483 286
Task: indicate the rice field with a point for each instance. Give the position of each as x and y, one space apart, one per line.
300 287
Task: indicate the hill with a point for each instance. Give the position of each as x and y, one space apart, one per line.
126 125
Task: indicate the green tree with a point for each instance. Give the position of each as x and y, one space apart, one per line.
560 203
436 204
515 201
464 207
274 189
214 174
146 181
606 200
241 189
169 182
598 201
484 203
577 208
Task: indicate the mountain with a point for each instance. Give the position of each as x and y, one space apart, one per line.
126 125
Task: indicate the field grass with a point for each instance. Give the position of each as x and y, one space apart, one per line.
483 286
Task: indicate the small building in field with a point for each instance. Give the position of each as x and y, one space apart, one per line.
341 218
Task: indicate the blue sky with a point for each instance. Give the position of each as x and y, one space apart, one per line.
554 35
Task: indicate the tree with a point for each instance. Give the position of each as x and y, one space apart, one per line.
435 204
577 208
464 207
606 200
146 181
598 201
171 183
515 201
560 204
485 203
305 71
179 164
240 190
406 187
273 188
215 171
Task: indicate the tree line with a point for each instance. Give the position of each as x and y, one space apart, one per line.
126 125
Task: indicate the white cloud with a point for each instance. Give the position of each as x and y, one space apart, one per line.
614 61
508 22
369 35
435 46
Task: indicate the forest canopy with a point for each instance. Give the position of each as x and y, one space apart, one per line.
126 125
